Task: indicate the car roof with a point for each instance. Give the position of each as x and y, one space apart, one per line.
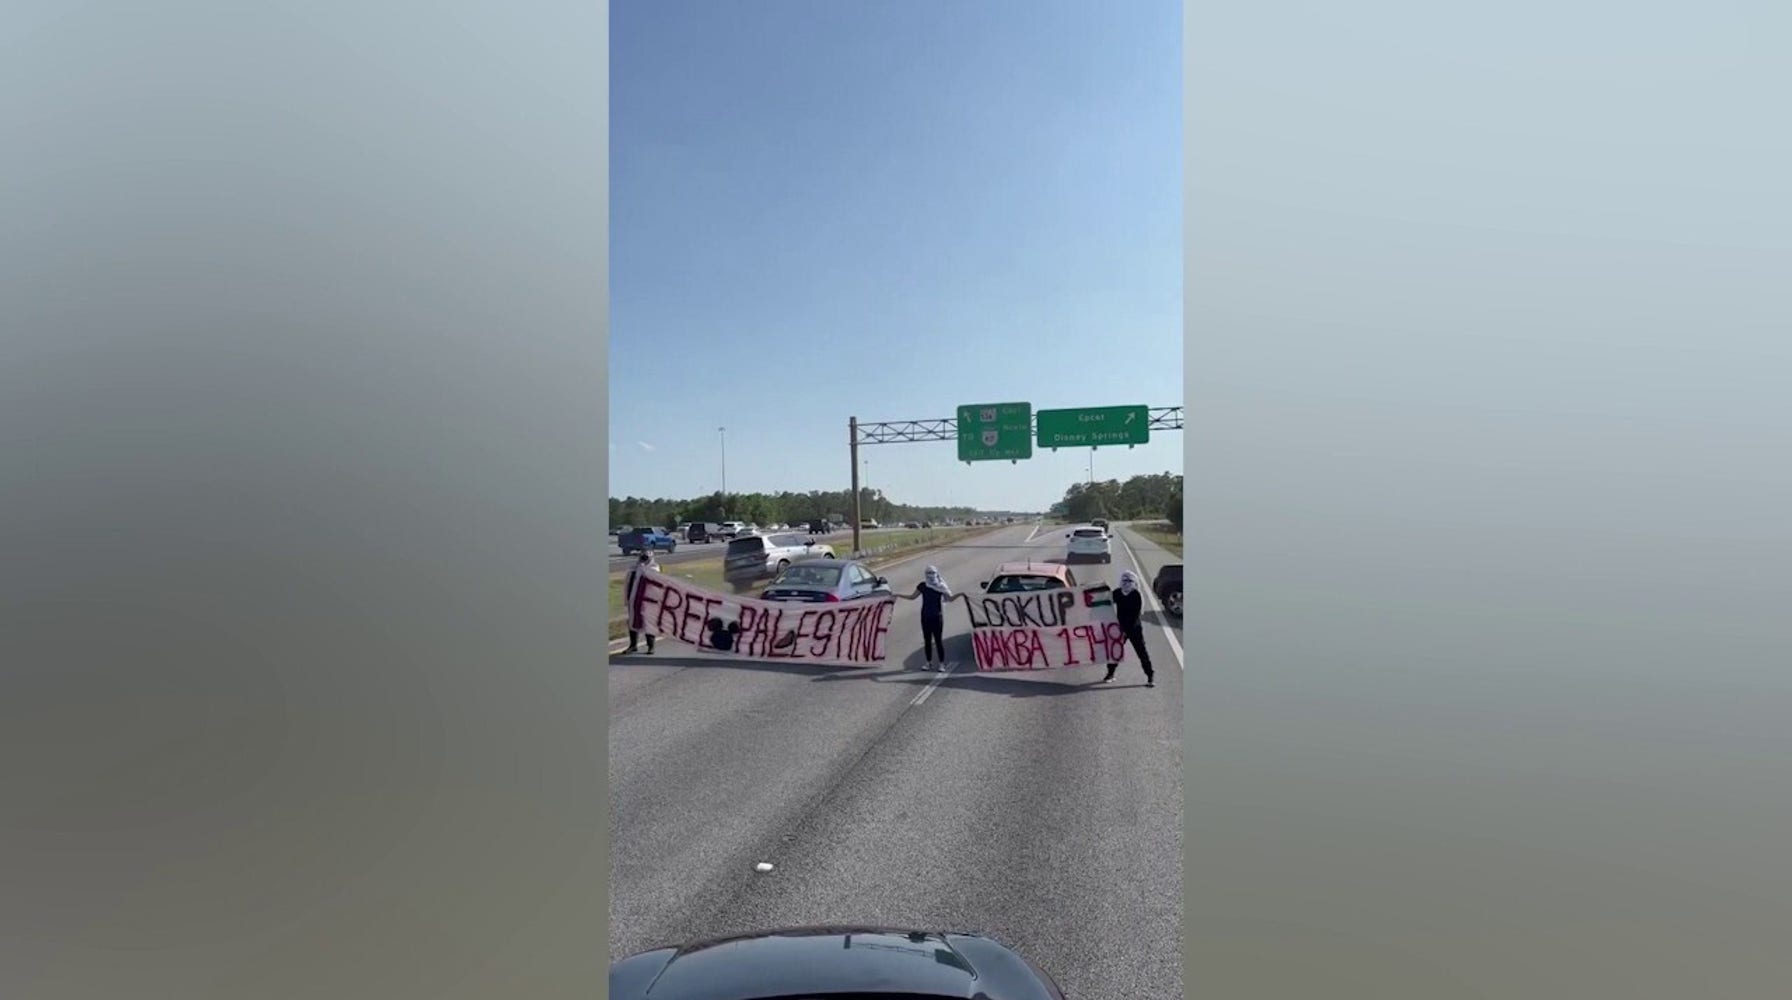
834 961
1032 569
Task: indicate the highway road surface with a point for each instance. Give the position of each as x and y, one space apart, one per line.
1045 809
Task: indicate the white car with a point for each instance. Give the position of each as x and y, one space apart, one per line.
1088 542
758 557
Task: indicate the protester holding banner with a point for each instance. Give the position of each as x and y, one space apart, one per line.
643 565
933 593
1129 604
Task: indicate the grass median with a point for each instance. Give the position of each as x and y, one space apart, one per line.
880 549
1161 533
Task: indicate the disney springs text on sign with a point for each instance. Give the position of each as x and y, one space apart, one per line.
1046 630
850 633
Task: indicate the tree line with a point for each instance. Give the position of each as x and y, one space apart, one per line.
1141 498
772 508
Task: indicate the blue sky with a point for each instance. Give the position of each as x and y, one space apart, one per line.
888 209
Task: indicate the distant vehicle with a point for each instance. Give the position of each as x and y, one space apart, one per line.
729 529
1168 587
751 558
913 525
926 524
1026 577
1088 543
639 540
1102 523
616 532
826 579
819 527
867 523
697 533
833 963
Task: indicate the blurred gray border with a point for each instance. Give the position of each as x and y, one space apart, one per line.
303 362
1502 711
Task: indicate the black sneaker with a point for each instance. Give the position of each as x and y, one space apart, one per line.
1150 682
629 650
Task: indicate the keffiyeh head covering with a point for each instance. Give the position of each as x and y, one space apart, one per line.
936 582
1128 582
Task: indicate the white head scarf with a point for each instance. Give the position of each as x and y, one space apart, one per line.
936 582
1128 582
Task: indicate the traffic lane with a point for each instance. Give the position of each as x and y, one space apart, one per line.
709 758
991 804
686 552
698 800
689 551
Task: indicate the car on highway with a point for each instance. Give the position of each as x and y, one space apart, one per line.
751 558
729 529
819 527
1088 542
867 523
1027 577
646 539
1167 585
834 963
697 533
824 579
1102 523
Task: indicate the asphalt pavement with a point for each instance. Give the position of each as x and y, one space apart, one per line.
1045 809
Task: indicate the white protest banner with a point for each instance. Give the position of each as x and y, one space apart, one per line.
846 633
1046 629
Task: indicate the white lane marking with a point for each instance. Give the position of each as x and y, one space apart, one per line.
1145 585
1032 533
945 671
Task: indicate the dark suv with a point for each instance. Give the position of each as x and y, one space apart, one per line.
1168 588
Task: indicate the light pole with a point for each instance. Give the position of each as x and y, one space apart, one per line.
723 431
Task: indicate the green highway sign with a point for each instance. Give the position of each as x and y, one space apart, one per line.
995 432
1093 427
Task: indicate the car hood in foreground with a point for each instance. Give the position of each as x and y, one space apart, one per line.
831 960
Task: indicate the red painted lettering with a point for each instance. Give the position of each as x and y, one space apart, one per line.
824 634
666 606
1064 636
690 624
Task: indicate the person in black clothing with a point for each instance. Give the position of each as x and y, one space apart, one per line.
642 565
933 593
1129 604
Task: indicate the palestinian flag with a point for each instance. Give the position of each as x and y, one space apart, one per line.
1098 597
